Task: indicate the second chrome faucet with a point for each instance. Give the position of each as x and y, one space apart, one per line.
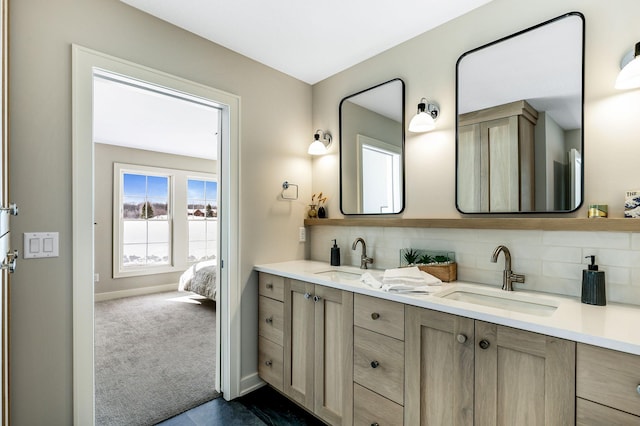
508 277
364 260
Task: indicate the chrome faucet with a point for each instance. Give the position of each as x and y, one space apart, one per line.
364 260
508 277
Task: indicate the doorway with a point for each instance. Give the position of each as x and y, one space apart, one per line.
85 64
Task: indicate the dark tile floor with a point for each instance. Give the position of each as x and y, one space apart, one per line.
264 406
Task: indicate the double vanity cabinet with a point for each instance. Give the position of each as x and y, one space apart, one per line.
356 359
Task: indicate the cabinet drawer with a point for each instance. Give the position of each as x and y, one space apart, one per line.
378 363
270 362
379 315
608 377
591 414
369 408
271 286
271 321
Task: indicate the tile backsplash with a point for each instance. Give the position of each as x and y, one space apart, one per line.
552 261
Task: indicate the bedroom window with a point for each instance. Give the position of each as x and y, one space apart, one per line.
202 216
144 243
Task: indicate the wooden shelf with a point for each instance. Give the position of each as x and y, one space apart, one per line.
544 224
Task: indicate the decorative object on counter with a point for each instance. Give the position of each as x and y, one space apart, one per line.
408 279
320 147
312 212
441 264
598 210
629 76
289 191
593 286
335 254
425 118
322 212
632 203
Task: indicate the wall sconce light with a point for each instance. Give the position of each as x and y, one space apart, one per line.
425 118
629 76
320 147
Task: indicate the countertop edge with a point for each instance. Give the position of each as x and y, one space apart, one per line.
572 320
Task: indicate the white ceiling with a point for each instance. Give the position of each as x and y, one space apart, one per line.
309 40
139 115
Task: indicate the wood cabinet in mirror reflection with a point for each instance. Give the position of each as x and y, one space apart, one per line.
496 159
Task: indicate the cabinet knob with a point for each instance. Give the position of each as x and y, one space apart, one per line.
269 286
269 320
484 344
374 364
461 338
638 389
307 296
375 424
268 363
316 298
375 316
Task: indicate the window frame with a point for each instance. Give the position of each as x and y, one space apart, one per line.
119 270
206 177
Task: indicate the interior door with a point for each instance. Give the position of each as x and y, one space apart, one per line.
4 220
8 260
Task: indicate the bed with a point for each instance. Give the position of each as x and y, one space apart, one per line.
200 278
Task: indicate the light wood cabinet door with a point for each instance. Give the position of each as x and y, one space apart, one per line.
333 378
523 378
439 378
299 341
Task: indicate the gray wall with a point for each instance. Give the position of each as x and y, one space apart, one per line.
275 130
105 156
427 64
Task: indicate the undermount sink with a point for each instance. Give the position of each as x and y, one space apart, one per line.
495 298
336 274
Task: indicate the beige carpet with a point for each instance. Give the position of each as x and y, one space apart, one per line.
154 357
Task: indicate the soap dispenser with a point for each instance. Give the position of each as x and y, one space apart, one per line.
593 291
335 254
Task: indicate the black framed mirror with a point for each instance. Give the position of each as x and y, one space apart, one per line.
519 132
372 150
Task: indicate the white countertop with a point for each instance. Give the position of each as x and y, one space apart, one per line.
614 326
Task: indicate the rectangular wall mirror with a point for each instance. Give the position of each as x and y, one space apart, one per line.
372 150
519 133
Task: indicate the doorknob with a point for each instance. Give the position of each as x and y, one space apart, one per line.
10 262
12 209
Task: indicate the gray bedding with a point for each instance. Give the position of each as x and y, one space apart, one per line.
200 278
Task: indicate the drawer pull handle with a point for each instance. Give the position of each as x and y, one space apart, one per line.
374 364
269 286
375 316
484 344
375 424
638 389
269 320
307 296
268 363
461 338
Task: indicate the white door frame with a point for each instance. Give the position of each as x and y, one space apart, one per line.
84 61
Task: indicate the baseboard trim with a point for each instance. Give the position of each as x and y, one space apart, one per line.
250 383
100 297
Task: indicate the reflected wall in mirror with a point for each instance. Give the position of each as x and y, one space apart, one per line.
519 134
372 150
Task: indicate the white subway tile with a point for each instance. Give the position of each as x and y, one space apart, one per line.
551 270
615 240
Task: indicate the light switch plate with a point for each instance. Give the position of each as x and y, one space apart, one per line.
40 244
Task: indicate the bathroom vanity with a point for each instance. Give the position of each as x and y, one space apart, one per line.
352 354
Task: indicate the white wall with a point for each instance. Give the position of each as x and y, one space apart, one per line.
275 127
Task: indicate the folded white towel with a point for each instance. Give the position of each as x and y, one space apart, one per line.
403 288
412 273
370 280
